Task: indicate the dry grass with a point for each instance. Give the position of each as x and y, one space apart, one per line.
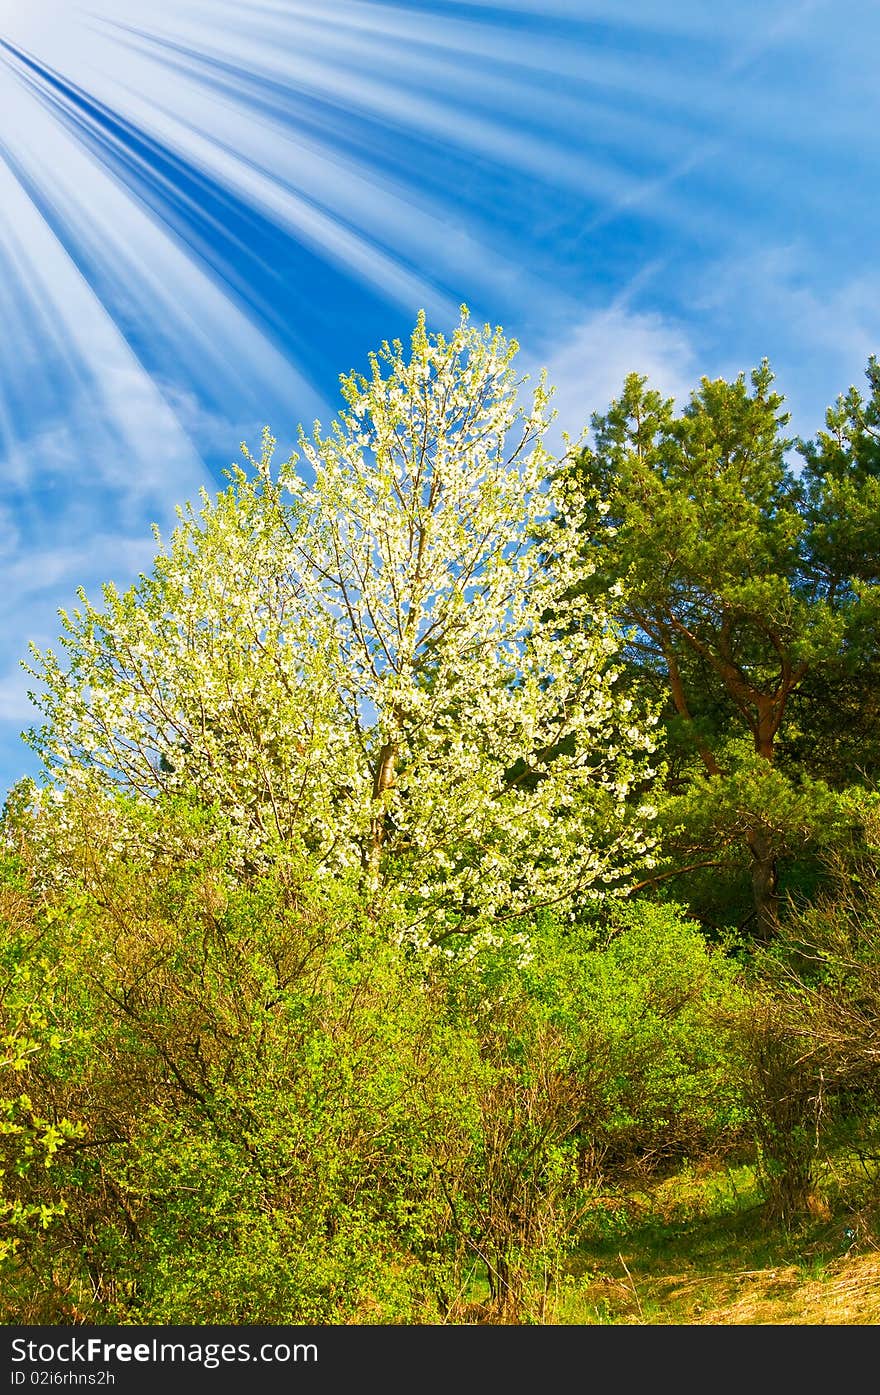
700 1249
847 1293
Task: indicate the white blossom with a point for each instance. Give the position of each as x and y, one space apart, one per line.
352 653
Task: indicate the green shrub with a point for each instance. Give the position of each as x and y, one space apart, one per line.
287 1117
808 1034
290 1116
640 1002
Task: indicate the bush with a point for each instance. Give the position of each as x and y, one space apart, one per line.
290 1116
286 1116
634 1004
808 1036
641 999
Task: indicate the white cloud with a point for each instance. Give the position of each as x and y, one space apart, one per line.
817 333
589 365
817 336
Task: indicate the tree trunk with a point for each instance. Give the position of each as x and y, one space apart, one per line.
765 885
765 870
383 779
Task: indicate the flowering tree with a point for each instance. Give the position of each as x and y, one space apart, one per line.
361 662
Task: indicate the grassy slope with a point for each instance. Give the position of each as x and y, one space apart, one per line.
697 1250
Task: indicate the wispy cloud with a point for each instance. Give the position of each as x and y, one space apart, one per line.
818 331
590 362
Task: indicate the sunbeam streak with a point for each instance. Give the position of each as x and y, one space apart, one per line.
228 177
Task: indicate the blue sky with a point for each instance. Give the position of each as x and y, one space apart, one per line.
209 209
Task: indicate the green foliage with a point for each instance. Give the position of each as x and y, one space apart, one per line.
806 1031
835 723
288 1116
799 820
644 1000
32 1139
283 1120
742 586
633 1000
